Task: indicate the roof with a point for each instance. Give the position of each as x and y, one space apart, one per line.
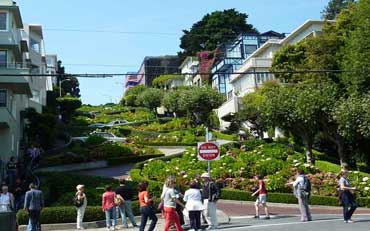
37 29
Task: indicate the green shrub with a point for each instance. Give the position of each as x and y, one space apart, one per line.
94 140
253 144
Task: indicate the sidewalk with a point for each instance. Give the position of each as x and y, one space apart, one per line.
100 225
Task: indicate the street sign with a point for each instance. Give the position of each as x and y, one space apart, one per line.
208 151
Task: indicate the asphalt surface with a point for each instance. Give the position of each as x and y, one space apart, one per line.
110 172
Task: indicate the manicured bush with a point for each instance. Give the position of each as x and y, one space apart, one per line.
94 140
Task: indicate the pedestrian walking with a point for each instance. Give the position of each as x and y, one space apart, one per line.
262 198
347 198
33 204
210 194
146 207
6 200
125 195
194 206
169 203
109 208
302 190
81 204
11 170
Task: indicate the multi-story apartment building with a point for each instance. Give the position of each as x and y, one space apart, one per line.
257 66
14 90
231 56
52 67
36 58
151 68
21 55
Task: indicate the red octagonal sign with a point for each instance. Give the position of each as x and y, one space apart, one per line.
208 151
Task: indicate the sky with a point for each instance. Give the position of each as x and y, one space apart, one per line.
134 29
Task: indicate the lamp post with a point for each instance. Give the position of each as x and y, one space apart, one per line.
60 86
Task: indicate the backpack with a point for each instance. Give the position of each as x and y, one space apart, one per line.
306 187
76 202
215 191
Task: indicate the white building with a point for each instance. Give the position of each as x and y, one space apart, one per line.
260 61
52 67
36 58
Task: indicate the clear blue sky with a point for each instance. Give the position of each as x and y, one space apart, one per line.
127 51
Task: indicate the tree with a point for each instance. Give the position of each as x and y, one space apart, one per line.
131 95
252 112
334 7
41 128
162 81
171 102
357 51
150 98
214 29
68 106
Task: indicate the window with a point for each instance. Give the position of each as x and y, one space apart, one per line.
3 21
35 45
3 58
3 98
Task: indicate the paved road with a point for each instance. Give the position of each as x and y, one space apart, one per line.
110 172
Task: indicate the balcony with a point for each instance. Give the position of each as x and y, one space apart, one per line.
18 84
229 107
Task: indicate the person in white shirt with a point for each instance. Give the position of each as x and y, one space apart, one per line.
194 205
6 200
81 197
302 197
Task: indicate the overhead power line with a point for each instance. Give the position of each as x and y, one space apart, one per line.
109 75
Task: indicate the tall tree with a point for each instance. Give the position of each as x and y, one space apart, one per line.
150 98
214 29
334 7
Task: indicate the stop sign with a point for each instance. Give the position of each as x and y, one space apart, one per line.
208 151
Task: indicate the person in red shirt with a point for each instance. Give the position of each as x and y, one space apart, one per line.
262 198
146 207
109 208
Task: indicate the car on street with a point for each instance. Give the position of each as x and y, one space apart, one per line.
107 135
97 125
117 123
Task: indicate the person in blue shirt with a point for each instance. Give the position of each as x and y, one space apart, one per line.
33 204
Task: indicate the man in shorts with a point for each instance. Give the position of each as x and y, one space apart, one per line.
262 198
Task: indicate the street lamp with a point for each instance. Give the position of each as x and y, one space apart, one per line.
60 86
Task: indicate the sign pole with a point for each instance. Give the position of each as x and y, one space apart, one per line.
209 162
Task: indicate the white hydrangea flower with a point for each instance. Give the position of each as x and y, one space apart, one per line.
230 170
295 161
185 176
365 179
167 170
223 164
297 164
366 188
306 165
242 168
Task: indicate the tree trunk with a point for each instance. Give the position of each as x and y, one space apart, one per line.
308 145
341 151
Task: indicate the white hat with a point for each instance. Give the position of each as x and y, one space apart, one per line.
80 186
205 175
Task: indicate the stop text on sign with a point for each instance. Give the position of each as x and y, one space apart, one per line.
208 151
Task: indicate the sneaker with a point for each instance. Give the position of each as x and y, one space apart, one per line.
256 217
267 218
108 228
351 221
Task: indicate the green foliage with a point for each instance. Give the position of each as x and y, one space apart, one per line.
163 80
94 140
131 95
198 103
68 106
150 98
334 7
214 29
42 128
356 52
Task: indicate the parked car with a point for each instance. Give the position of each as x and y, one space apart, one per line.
107 135
97 125
117 123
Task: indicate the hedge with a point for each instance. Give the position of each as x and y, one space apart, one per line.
53 215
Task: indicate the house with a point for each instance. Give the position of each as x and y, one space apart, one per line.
152 67
230 57
15 91
254 70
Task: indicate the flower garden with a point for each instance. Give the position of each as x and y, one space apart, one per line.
238 166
